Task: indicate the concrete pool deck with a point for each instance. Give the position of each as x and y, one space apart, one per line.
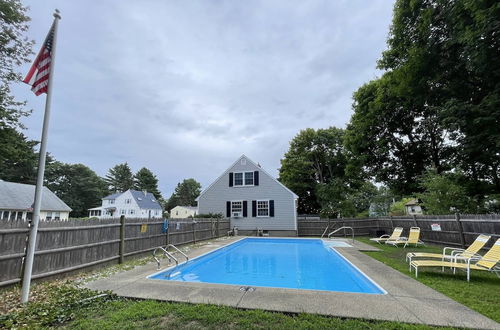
407 300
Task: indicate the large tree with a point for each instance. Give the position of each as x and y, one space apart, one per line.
17 154
120 178
437 103
77 185
15 49
318 169
18 159
185 194
144 179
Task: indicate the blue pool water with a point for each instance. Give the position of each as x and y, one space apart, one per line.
279 263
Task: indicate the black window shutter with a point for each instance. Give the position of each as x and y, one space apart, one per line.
271 208
230 179
245 211
228 209
254 209
256 178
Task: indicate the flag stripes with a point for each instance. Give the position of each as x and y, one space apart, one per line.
38 75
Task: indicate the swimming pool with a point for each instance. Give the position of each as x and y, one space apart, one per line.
275 262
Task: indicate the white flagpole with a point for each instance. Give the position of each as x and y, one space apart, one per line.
30 252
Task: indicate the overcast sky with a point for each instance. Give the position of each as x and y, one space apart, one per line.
185 87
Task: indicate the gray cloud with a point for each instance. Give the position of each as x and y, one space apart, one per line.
185 87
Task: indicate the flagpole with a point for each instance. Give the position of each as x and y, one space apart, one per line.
30 252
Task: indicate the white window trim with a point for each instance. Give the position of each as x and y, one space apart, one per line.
268 208
241 201
243 180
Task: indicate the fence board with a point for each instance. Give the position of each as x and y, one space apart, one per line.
67 245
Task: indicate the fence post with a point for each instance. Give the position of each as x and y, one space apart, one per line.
392 223
218 234
194 232
122 238
415 220
460 230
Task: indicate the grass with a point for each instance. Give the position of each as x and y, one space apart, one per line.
60 304
129 314
480 294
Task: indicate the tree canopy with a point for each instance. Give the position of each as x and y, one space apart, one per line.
437 103
77 185
318 169
120 178
185 194
144 179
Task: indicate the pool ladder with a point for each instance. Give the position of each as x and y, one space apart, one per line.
169 255
344 227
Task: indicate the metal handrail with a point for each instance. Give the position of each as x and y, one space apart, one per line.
344 227
166 253
177 249
328 226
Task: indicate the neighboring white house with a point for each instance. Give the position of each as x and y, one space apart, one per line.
182 212
412 207
253 199
131 203
16 203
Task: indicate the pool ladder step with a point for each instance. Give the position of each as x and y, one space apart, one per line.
169 255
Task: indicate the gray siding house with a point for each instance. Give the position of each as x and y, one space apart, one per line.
16 202
252 199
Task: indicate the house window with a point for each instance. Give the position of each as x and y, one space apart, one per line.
57 215
248 178
48 216
111 201
123 211
12 215
243 179
262 208
131 211
29 216
127 201
236 208
238 179
19 215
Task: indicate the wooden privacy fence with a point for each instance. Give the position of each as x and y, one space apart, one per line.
64 246
454 230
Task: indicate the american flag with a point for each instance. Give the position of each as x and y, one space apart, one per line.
38 76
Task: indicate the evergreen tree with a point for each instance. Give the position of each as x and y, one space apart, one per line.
119 178
144 179
185 194
77 185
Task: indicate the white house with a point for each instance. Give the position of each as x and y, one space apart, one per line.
131 203
16 203
412 207
182 212
252 199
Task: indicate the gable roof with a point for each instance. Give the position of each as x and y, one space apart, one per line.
145 200
113 196
256 165
20 196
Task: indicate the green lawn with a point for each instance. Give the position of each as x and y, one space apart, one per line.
59 304
482 293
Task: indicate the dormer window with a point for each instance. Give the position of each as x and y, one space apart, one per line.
243 179
111 201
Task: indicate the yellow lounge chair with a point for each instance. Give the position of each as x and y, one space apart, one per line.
490 262
396 234
413 238
452 252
